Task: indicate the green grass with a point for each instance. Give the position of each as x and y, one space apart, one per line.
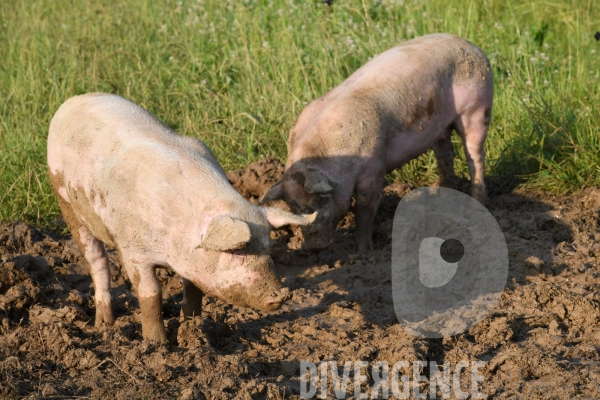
237 73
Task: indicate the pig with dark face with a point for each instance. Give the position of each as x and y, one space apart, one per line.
397 106
125 179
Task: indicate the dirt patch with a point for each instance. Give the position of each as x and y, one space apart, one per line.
546 324
257 178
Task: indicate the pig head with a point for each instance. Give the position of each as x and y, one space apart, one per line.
307 189
237 255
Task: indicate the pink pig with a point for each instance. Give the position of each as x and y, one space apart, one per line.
124 178
397 106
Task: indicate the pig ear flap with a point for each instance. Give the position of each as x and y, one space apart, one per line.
278 218
275 193
317 183
225 233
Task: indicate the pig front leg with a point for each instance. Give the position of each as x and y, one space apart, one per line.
95 254
149 294
192 301
150 297
444 153
367 199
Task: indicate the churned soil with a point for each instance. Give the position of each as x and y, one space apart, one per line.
542 338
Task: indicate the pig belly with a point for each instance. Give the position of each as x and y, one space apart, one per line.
407 145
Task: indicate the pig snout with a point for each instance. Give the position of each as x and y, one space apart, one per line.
318 236
249 281
276 299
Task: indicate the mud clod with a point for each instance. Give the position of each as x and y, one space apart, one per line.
257 178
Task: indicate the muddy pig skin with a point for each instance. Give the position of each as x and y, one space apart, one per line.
397 106
125 179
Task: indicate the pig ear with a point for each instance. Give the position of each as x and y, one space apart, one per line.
317 182
278 218
275 193
225 233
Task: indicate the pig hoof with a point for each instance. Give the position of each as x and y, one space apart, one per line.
276 300
155 335
480 196
104 315
189 312
103 323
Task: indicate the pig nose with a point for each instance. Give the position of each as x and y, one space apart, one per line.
277 298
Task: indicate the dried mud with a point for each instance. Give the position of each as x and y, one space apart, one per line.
547 322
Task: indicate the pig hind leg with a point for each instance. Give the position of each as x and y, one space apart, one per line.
95 254
192 300
473 128
444 153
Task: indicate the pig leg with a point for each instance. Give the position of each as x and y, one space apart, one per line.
444 153
150 297
473 130
149 294
95 254
192 300
367 199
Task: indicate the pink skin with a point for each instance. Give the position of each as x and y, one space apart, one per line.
397 106
125 179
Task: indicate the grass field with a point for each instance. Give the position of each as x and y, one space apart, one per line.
237 73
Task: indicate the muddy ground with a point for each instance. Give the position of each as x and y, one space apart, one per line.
541 340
